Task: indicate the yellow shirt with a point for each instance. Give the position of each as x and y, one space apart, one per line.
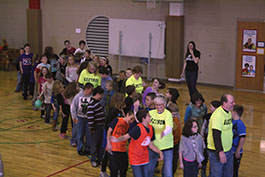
159 122
137 83
221 120
86 77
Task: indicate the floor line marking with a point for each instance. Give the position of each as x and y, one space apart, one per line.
60 171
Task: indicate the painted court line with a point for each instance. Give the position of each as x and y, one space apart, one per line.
68 168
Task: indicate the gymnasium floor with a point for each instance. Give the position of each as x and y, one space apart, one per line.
30 149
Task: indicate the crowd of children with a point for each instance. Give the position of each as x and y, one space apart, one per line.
106 111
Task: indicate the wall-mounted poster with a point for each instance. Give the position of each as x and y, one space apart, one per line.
249 40
248 66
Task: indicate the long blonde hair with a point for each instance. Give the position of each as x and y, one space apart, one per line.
57 87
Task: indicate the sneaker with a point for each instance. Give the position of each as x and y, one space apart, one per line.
81 153
42 116
73 144
63 135
94 164
103 174
87 152
47 123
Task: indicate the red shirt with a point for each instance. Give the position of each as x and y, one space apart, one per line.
41 81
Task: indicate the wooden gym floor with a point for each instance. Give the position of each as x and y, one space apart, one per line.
30 149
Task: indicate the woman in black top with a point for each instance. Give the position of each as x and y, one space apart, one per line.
190 67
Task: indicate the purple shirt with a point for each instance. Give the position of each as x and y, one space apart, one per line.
147 90
26 61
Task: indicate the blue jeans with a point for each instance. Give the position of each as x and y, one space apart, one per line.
140 170
191 81
168 162
217 168
19 81
83 130
55 114
190 168
74 134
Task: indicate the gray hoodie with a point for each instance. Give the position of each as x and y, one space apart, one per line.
79 105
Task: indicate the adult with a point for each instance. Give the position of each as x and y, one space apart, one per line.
220 139
68 48
52 59
162 122
157 84
196 109
136 79
190 67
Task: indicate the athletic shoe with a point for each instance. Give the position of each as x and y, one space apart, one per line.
73 144
103 174
94 164
63 135
81 153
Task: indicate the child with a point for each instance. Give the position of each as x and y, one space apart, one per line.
191 149
204 133
172 95
55 101
173 108
60 69
71 70
104 62
128 72
156 85
104 74
96 121
90 75
136 79
131 92
43 63
149 101
41 81
239 131
87 57
118 151
81 49
25 64
141 139
121 81
47 92
116 110
109 93
19 76
79 116
52 59
65 100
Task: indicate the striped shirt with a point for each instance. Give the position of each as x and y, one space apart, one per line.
95 114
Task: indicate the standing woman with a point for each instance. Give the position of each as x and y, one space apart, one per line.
162 122
191 68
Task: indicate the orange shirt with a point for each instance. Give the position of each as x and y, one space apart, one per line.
176 130
120 129
138 149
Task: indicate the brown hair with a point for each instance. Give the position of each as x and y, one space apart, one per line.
117 101
70 90
57 87
137 69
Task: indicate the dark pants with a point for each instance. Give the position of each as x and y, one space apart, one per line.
175 157
118 162
191 80
190 168
96 143
31 88
105 161
66 111
236 165
48 108
25 80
